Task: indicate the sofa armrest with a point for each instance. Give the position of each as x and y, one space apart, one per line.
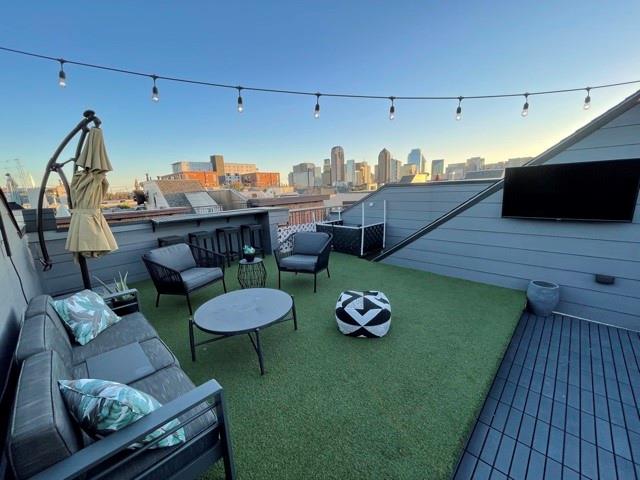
92 456
206 258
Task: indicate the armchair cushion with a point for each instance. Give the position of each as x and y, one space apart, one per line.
197 277
177 257
302 263
309 243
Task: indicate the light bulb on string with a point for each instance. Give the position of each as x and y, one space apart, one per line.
392 109
525 107
459 109
62 76
155 93
316 110
587 99
240 103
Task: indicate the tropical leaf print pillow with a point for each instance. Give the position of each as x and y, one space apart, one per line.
85 314
101 407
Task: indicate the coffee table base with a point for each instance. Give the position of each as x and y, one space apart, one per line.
255 343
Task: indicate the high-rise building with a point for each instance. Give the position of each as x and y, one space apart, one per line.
455 171
416 158
395 170
474 164
303 175
350 171
326 172
384 166
408 169
362 173
337 164
437 169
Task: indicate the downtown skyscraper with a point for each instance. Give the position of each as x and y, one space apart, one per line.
337 165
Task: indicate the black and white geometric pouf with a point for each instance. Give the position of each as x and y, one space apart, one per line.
363 314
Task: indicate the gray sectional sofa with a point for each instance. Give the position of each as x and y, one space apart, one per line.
44 441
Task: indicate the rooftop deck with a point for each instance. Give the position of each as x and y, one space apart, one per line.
331 406
564 404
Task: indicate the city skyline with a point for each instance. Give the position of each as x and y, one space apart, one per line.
481 54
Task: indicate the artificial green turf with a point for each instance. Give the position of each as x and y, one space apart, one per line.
332 406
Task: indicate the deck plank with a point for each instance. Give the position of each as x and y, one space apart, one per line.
564 399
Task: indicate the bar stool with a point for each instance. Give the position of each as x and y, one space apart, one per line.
226 235
202 239
170 240
254 236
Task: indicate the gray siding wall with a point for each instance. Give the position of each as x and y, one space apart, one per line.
480 245
134 240
412 206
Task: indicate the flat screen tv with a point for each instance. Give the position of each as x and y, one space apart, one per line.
604 191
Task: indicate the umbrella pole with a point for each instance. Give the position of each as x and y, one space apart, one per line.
54 166
86 279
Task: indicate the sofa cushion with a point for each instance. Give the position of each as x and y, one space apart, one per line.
309 243
42 432
42 330
132 328
86 315
155 350
102 407
166 385
302 263
197 277
177 257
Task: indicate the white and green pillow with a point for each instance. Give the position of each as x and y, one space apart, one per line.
85 314
102 407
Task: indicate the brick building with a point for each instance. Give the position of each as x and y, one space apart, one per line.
206 178
261 179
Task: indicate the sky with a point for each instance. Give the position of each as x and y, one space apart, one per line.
442 48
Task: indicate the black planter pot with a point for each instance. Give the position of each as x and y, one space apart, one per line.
249 258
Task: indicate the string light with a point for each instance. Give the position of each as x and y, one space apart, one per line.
587 99
240 103
392 109
62 77
62 81
155 94
525 107
316 110
459 109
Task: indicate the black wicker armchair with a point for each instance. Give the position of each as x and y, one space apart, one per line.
310 254
183 268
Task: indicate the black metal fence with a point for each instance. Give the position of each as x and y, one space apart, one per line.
354 239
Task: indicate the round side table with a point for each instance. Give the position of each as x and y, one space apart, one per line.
252 274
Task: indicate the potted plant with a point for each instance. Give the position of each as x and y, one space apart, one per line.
249 253
542 297
119 296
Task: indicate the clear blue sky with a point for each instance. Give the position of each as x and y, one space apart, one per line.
388 48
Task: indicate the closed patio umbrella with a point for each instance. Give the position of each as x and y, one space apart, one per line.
89 234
